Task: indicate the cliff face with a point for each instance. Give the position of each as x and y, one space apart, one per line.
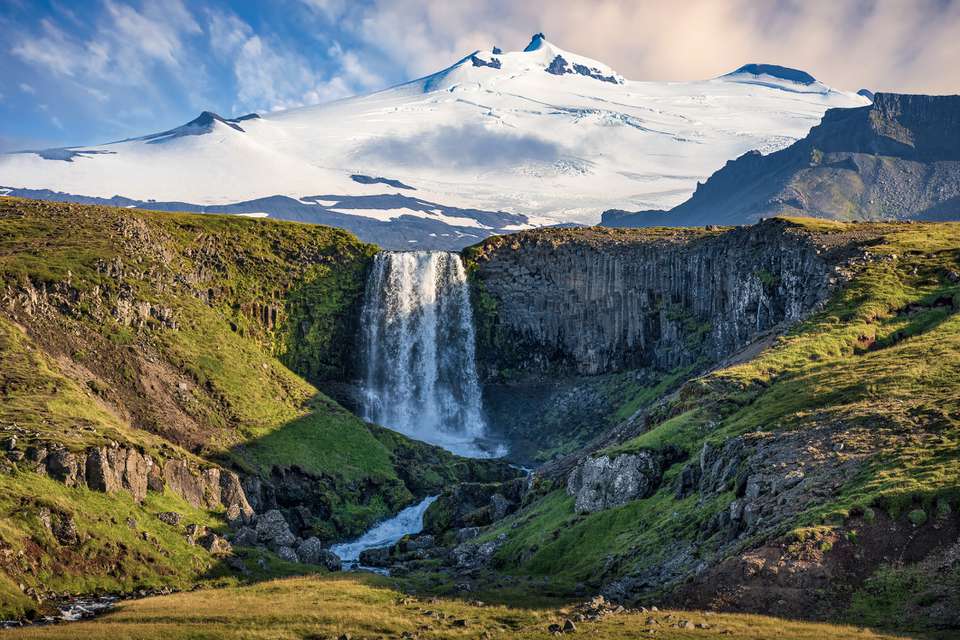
596 301
897 158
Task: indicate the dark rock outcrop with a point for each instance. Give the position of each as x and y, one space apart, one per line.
595 301
115 467
471 504
605 481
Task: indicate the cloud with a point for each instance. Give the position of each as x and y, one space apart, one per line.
464 147
330 9
123 47
905 46
26 88
271 76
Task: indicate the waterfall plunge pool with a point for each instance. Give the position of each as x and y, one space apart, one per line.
385 534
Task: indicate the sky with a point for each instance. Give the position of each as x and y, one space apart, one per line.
76 72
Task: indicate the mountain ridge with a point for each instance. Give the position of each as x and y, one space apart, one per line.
522 138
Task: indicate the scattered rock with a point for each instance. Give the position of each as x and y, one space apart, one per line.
245 537
215 544
171 518
287 553
273 530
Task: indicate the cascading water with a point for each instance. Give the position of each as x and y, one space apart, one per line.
418 347
387 533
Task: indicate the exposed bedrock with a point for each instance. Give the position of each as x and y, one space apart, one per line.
115 467
594 301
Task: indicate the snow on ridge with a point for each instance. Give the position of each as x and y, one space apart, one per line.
494 142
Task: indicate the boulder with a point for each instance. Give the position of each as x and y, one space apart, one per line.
309 551
379 557
171 518
605 482
273 530
419 543
245 537
287 553
215 544
471 555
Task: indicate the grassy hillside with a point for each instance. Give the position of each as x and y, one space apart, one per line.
864 396
349 606
197 337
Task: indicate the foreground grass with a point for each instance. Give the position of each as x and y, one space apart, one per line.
367 607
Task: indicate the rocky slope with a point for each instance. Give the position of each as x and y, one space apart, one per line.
897 159
170 362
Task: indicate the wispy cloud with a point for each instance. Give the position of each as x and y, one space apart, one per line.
271 76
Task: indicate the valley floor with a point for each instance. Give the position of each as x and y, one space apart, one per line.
359 606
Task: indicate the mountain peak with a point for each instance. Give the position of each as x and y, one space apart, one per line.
775 71
536 42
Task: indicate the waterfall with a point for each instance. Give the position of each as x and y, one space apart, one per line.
418 347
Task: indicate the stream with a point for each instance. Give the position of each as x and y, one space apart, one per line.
387 533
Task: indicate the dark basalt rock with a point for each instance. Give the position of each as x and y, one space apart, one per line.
558 66
493 63
590 303
776 71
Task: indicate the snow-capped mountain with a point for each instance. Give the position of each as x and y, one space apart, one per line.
494 143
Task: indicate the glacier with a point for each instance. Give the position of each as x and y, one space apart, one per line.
496 142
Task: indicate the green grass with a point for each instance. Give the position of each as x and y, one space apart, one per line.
328 438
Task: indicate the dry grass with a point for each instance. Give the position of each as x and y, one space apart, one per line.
366 607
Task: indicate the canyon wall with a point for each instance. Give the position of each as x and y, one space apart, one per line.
592 301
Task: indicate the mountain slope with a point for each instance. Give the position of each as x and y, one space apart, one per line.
898 158
494 143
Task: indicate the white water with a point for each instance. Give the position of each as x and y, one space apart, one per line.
419 344
385 534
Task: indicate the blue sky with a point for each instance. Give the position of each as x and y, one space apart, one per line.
87 71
